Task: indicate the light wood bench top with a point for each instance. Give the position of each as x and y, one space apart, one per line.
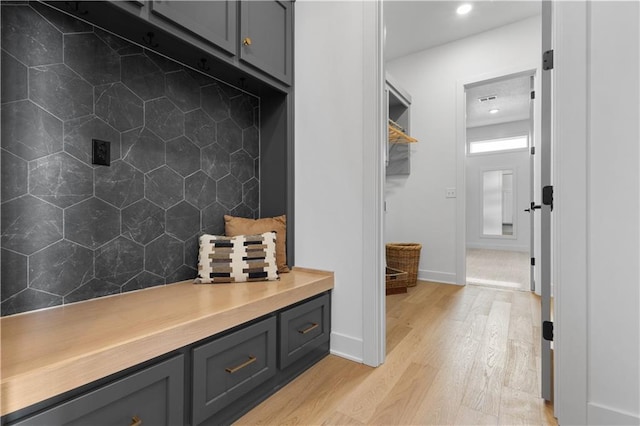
48 352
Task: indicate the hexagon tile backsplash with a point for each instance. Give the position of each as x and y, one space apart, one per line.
184 152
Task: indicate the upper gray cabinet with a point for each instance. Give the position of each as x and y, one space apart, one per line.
213 21
266 37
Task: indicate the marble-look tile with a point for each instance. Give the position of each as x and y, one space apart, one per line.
183 273
30 132
119 260
59 90
13 273
120 184
200 190
165 64
29 224
90 57
60 268
143 222
142 76
143 149
13 178
66 24
230 91
242 210
241 111
91 290
60 179
183 90
163 118
163 255
183 221
251 141
191 249
215 102
229 135
200 78
118 44
29 37
119 106
79 132
29 300
213 219
229 191
91 223
241 165
143 280
183 156
14 79
251 194
215 161
164 187
200 128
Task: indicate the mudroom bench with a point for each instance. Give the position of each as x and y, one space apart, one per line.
175 354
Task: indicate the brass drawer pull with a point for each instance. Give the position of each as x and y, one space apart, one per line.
313 326
247 41
136 421
232 370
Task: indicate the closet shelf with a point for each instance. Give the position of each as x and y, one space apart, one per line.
398 136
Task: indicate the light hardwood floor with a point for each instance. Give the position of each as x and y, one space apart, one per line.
455 355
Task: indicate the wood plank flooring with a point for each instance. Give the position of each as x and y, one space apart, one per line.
455 355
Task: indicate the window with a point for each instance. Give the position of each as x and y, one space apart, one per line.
497 145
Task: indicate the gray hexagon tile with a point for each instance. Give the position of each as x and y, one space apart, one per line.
63 22
191 251
143 280
251 194
13 176
143 222
29 300
183 221
29 224
143 149
142 76
119 106
215 102
118 44
183 90
91 223
215 161
242 210
29 37
120 184
229 191
200 190
14 79
183 156
183 273
163 255
164 187
242 111
60 268
213 219
241 165
60 179
230 91
200 78
163 118
13 273
30 132
118 261
90 57
60 91
79 132
166 65
91 290
200 128
251 141
229 135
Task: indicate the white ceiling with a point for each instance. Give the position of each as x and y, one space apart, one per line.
512 99
412 26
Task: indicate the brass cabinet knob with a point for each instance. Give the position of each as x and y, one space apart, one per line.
247 41
136 421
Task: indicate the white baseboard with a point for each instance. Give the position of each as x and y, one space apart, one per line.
602 415
489 246
346 347
437 276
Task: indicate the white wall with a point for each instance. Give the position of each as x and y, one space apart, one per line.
417 209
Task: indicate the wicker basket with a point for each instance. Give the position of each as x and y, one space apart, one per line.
396 281
405 257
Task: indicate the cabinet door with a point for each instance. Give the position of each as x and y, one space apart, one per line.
153 396
227 368
266 37
214 21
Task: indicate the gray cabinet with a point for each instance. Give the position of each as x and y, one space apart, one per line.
228 368
152 396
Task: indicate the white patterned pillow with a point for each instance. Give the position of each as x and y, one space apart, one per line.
237 259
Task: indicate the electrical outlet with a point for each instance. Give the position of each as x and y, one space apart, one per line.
450 193
101 152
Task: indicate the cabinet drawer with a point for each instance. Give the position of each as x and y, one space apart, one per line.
303 328
153 395
227 368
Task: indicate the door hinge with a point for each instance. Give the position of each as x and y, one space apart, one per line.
533 261
533 94
547 331
547 196
533 150
547 60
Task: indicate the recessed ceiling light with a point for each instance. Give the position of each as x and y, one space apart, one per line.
494 111
464 9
